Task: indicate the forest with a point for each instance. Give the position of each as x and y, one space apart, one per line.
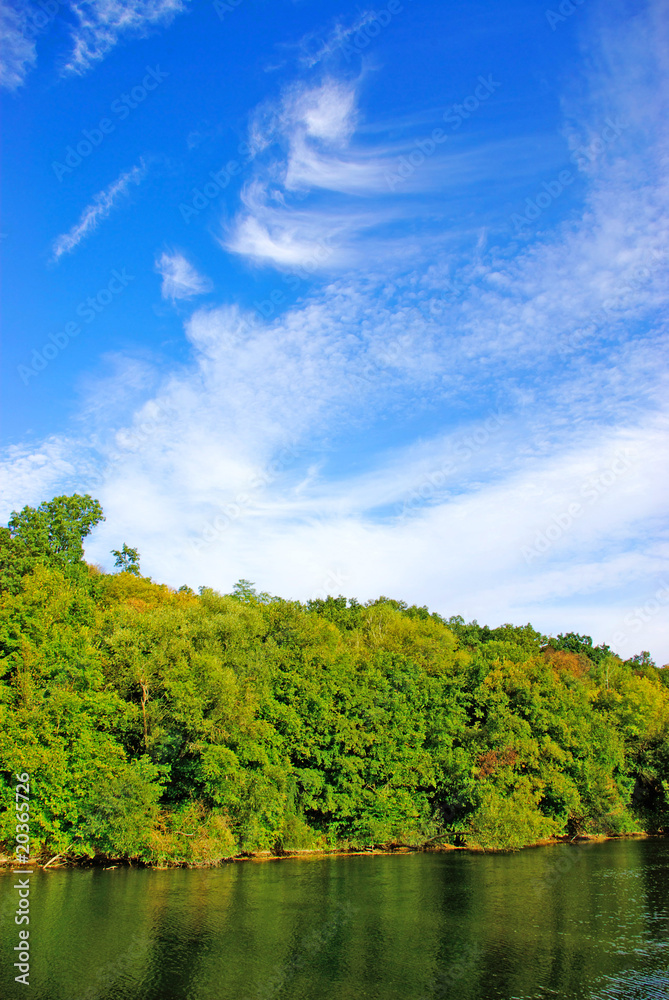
168 727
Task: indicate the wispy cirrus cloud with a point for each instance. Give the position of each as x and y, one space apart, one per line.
306 136
17 49
317 47
102 205
305 238
180 279
102 24
320 171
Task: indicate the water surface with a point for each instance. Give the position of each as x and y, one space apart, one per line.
586 921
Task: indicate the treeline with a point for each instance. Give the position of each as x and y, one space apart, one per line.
172 727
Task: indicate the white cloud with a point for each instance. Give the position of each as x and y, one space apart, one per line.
103 23
17 49
299 536
180 279
325 112
307 239
33 474
97 211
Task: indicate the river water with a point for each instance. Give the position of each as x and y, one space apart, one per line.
582 921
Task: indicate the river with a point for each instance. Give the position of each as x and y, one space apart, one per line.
569 921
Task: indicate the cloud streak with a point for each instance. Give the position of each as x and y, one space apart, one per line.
99 209
17 50
102 24
314 48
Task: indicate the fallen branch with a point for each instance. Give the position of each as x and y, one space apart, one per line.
443 834
56 856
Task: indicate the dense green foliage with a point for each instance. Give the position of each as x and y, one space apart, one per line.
172 727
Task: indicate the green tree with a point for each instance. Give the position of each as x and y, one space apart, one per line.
244 590
572 642
640 660
127 560
54 531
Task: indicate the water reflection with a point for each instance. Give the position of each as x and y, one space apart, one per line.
581 921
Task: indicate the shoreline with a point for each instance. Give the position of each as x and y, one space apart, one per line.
59 862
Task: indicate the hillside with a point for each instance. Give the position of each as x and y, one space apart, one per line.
170 727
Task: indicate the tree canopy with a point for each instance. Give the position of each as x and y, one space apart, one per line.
172 727
51 534
57 527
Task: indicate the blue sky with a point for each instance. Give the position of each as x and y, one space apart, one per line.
348 299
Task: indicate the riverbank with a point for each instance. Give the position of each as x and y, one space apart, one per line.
102 861
431 924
